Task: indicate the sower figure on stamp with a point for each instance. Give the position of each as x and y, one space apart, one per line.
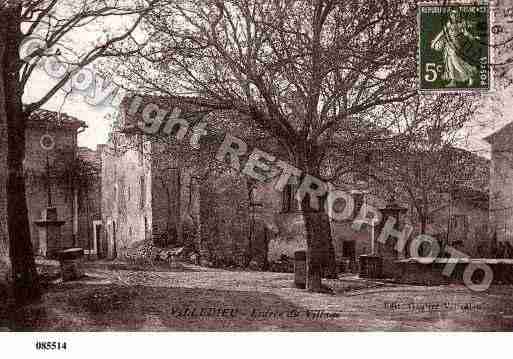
451 41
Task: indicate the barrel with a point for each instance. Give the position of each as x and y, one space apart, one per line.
71 261
371 266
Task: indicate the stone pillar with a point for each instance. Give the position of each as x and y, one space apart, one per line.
387 250
50 239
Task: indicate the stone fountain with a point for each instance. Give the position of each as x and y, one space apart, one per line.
50 236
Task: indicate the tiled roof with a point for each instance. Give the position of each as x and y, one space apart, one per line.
45 117
503 130
87 154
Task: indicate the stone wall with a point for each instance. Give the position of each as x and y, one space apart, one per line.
126 195
501 186
89 199
225 218
202 211
60 159
473 240
166 199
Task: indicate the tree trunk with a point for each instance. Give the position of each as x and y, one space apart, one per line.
330 264
26 287
251 235
207 220
320 252
178 208
315 254
5 262
265 264
320 258
169 226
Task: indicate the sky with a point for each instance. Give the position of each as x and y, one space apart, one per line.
78 42
74 105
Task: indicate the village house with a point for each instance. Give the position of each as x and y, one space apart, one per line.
459 219
50 159
462 222
150 192
501 190
194 201
126 197
63 177
88 195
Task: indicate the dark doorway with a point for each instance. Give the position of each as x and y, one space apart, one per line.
349 254
349 249
100 253
114 247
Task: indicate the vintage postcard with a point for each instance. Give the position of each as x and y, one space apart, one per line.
285 166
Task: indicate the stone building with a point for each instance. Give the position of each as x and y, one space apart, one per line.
50 157
61 175
88 196
203 204
194 201
171 193
151 190
460 219
126 195
462 222
501 189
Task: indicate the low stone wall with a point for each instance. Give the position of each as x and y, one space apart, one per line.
411 271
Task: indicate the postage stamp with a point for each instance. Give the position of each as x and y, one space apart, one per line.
453 47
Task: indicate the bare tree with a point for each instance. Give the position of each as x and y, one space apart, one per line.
54 21
299 70
417 156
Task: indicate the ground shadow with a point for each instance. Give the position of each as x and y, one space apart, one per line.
88 307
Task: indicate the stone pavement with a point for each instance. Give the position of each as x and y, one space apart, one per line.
117 297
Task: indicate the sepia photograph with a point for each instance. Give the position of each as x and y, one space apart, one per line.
255 166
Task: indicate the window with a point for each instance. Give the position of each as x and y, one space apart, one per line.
140 149
143 192
289 201
459 221
287 198
121 192
349 249
358 198
458 227
362 165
